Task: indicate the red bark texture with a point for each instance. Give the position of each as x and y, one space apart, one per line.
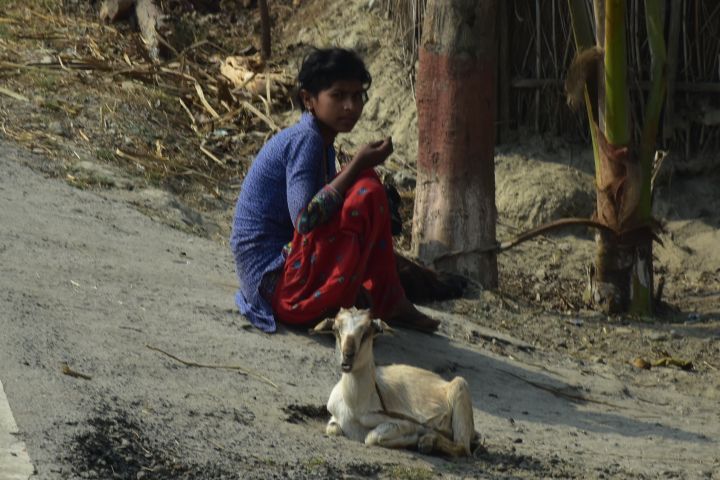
455 202
456 124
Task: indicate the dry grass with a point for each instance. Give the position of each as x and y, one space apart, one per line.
75 88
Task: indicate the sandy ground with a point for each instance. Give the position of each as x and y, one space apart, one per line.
89 281
90 276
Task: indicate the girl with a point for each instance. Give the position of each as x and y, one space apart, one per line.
306 240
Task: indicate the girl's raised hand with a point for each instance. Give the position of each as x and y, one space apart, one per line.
373 154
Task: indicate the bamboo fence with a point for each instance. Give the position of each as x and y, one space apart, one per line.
536 47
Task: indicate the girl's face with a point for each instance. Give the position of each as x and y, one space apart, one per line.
338 107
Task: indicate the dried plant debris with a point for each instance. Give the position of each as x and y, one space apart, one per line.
183 118
116 446
302 413
664 361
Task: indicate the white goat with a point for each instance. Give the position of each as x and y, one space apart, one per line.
395 406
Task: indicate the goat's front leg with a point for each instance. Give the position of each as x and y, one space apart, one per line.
393 434
333 428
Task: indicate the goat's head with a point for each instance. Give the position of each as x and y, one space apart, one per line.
354 332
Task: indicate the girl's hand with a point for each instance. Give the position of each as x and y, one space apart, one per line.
369 156
373 154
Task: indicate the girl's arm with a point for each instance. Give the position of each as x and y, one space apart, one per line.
321 208
309 203
329 199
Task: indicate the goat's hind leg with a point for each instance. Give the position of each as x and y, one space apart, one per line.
393 435
463 424
435 442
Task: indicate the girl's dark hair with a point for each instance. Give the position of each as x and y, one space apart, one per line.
324 66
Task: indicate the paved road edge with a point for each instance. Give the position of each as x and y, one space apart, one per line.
15 462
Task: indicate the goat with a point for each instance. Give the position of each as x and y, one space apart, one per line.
397 406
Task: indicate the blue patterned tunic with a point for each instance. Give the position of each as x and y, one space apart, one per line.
283 179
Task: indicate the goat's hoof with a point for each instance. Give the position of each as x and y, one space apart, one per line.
426 443
477 448
333 430
372 438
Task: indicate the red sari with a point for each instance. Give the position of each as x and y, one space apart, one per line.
327 266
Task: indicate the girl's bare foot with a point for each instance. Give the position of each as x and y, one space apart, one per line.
406 315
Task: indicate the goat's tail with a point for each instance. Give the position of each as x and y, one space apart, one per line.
463 424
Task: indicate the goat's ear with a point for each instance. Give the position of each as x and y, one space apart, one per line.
380 327
325 326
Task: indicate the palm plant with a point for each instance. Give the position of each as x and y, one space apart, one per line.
621 279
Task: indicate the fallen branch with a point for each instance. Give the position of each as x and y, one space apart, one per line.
12 66
560 393
67 64
525 236
555 225
503 342
242 370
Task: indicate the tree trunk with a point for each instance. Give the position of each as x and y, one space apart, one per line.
455 198
504 73
610 286
266 45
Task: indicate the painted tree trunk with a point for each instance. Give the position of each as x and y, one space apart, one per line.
455 199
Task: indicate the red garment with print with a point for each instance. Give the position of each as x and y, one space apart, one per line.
326 267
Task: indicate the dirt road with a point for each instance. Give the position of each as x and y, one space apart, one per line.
87 283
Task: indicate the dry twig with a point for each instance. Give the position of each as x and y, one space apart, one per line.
14 95
211 156
242 370
204 102
72 373
559 392
268 121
